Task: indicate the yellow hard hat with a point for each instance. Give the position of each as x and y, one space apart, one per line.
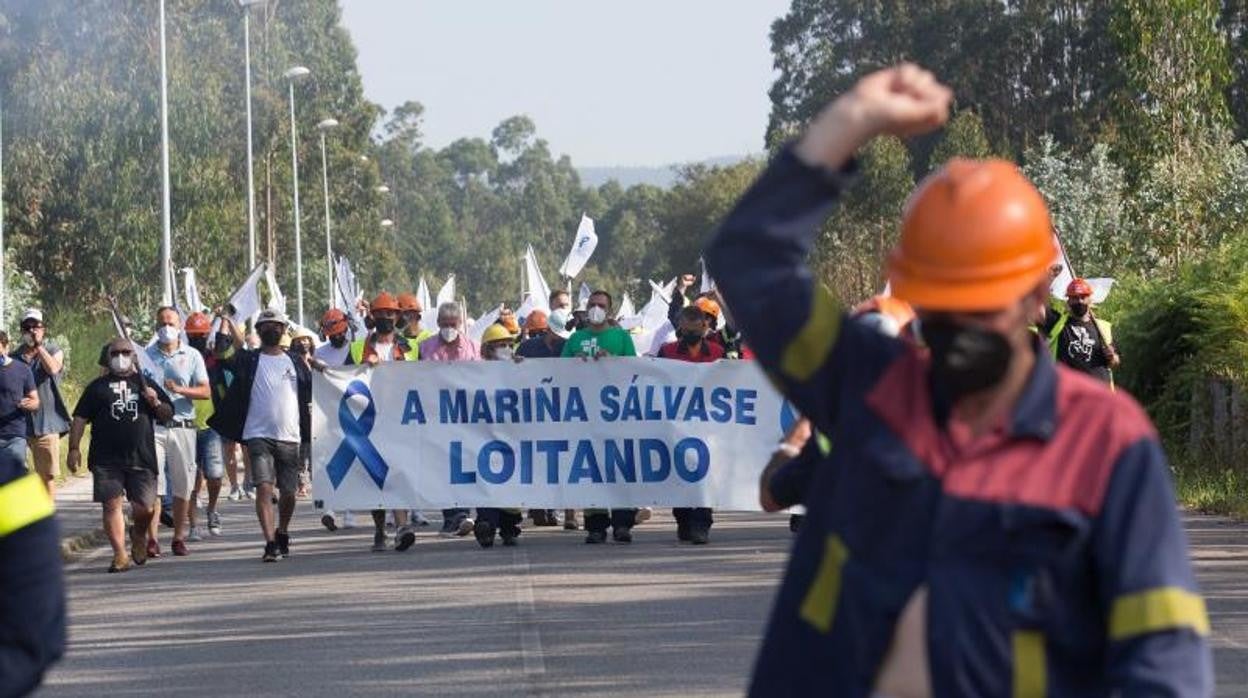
496 333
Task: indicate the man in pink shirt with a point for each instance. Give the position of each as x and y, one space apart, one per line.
450 344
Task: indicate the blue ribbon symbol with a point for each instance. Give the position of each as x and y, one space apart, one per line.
355 444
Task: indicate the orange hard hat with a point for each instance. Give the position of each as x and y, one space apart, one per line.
975 236
383 301
198 325
536 321
334 322
409 301
1079 288
708 306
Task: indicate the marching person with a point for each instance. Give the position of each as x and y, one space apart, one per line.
268 408
411 311
302 346
997 524
185 378
124 409
383 345
1079 339
32 607
496 345
545 343
693 524
598 339
50 422
450 344
209 450
334 352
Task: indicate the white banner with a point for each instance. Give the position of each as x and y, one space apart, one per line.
562 433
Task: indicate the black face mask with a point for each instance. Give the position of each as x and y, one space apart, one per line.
687 338
270 336
337 341
383 325
198 343
1078 309
301 349
401 322
965 360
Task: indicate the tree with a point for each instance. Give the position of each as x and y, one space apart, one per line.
963 137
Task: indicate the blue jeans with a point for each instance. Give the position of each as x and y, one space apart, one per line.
13 454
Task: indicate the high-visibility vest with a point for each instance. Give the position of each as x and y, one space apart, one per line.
410 354
24 501
1104 327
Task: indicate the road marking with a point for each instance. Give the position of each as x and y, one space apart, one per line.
530 636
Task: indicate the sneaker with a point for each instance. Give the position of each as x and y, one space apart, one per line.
195 536
214 523
153 549
622 535
405 539
270 552
121 563
418 519
328 522
179 549
484 532
644 514
464 527
138 551
699 536
379 542
235 493
596 537
283 544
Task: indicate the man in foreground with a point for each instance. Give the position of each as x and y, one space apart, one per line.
268 409
123 408
997 524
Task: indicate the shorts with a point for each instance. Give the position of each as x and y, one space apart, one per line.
175 459
274 462
46 452
138 484
209 454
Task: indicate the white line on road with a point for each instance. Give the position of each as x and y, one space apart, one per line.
530 636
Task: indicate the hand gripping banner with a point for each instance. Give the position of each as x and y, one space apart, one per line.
549 433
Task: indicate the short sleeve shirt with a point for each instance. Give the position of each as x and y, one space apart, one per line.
609 341
122 432
186 367
16 382
536 348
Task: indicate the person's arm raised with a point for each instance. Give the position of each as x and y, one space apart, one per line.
758 256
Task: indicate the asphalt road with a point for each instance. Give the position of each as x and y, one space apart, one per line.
550 617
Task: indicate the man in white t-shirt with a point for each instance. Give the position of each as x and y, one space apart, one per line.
268 409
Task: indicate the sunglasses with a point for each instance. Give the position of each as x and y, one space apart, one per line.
123 352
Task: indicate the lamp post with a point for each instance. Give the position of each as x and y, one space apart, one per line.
324 126
291 75
166 239
251 186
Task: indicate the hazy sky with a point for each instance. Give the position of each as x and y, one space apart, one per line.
646 82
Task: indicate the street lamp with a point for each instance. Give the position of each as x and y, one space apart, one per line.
166 238
291 75
251 185
383 189
387 223
329 253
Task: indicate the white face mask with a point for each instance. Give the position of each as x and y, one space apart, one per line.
503 354
119 364
28 338
448 334
597 315
167 334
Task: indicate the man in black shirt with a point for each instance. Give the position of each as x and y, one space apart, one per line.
122 407
1079 339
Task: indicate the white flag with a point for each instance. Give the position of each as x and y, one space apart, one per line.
190 291
348 295
1100 289
583 247
534 293
276 300
626 308
482 324
582 297
708 284
429 318
1058 287
245 300
446 294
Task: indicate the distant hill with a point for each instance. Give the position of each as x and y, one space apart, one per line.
662 176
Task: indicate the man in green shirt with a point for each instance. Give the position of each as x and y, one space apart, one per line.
600 338
597 340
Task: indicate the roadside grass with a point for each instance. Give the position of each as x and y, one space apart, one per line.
1212 489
